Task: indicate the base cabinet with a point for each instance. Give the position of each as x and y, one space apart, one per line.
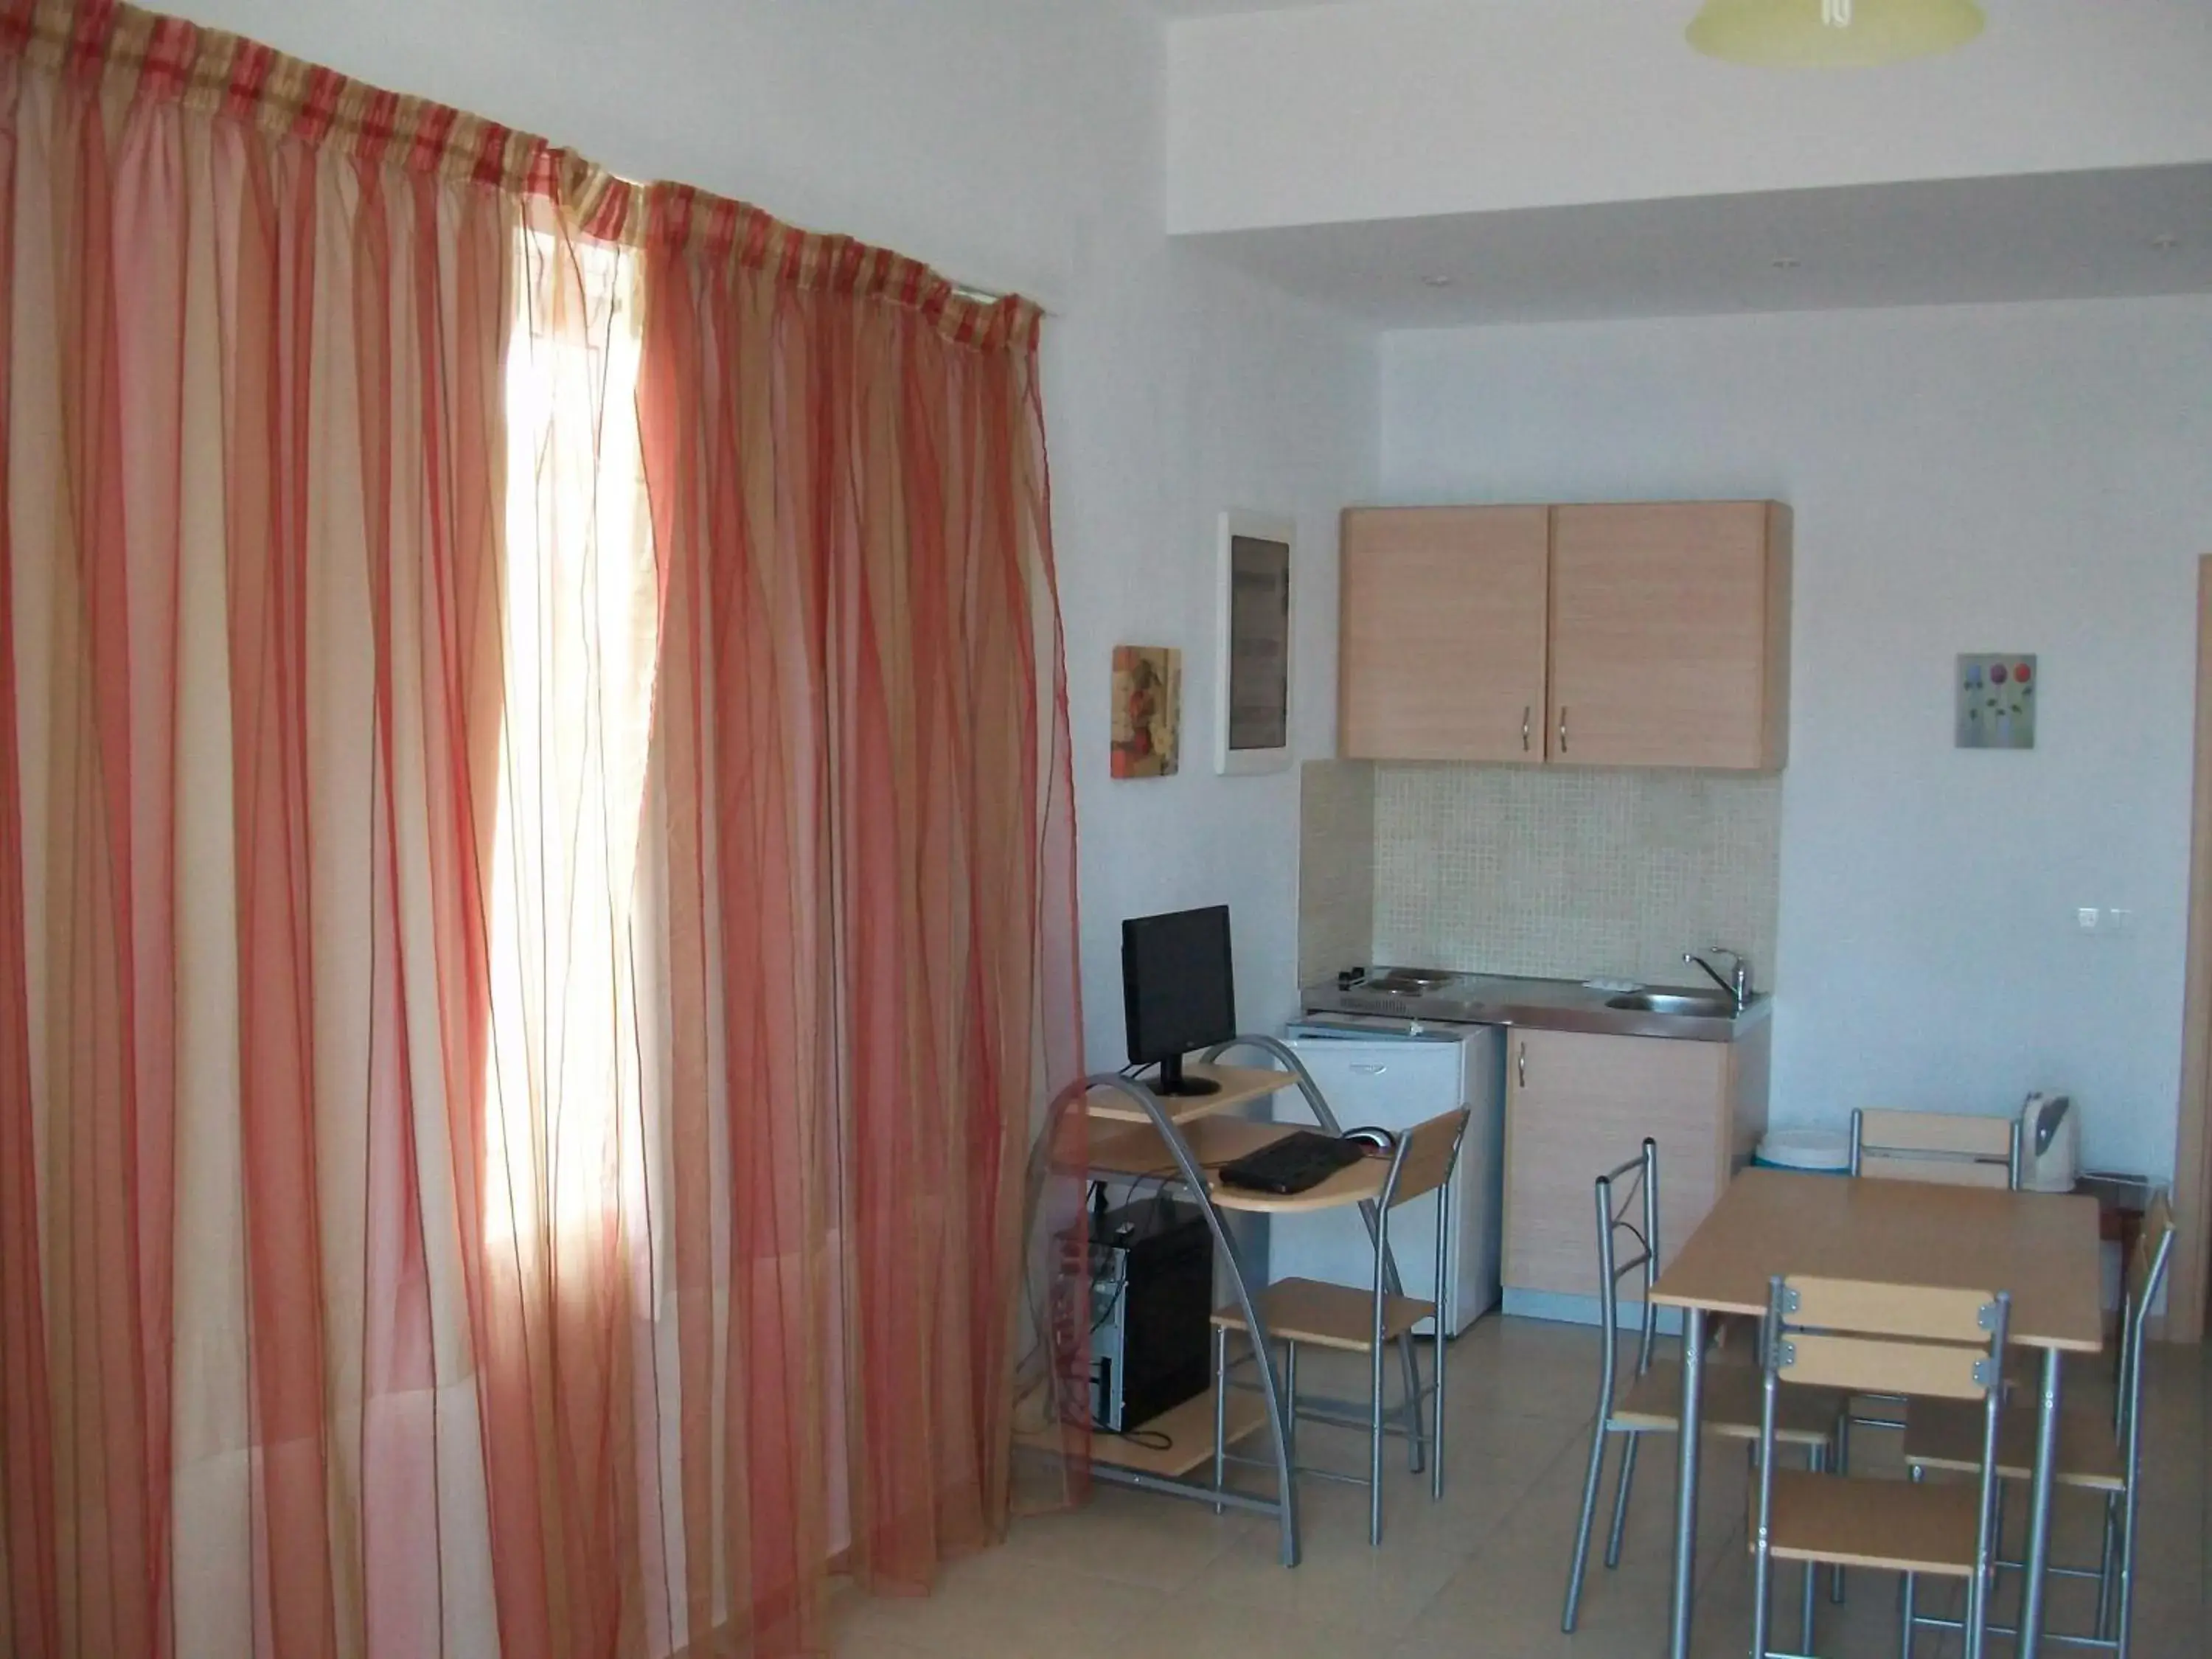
1578 1105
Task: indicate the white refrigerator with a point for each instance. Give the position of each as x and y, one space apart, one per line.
1380 1074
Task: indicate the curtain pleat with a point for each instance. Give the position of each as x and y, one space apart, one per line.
30 1620
537 898
105 924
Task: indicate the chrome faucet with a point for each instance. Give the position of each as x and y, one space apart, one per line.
1736 984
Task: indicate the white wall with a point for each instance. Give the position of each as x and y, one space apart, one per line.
1015 146
1320 114
2031 478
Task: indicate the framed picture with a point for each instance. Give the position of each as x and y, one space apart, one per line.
1252 648
1995 692
1147 711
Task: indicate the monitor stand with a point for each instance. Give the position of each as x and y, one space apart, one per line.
1171 1081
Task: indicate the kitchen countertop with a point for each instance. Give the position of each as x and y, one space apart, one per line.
1544 1005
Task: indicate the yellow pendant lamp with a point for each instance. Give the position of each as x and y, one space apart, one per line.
1833 33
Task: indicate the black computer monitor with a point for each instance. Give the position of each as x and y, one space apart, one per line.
1177 992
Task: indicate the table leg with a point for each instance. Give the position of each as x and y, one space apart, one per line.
2038 1507
1686 1482
2131 1231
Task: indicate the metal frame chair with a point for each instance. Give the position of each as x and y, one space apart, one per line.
1297 1311
1948 1149
2094 1454
1652 1404
1909 1339
1952 1149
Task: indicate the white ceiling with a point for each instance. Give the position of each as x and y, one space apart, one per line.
2074 235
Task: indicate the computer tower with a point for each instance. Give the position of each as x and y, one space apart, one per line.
1152 1305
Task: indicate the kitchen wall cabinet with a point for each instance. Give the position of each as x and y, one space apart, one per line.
1670 634
1576 1105
1641 633
1442 654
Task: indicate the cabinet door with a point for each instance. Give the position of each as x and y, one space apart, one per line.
1574 1107
1442 648
1670 632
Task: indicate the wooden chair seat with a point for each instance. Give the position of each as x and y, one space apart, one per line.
1803 1417
1849 1521
1328 1316
1947 1434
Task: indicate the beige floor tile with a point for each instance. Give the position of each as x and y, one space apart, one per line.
1130 1537
1385 1588
1193 1624
2171 1633
1134 1575
1867 1623
995 1606
860 1642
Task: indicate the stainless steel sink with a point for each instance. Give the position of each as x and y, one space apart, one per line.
1702 1004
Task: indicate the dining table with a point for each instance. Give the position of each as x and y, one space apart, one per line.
2043 1248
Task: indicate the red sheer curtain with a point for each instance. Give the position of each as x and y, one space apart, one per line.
251 486
867 836
536 882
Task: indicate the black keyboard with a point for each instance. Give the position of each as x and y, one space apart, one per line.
1291 1164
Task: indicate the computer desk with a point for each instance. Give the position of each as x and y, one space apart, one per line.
1184 1139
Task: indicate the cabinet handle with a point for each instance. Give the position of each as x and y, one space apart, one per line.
1528 715
1562 728
1524 1065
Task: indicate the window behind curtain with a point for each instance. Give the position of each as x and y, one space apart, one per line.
580 608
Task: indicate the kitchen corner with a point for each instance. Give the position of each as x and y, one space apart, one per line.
1558 905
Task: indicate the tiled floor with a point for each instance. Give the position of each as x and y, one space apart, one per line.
1133 1575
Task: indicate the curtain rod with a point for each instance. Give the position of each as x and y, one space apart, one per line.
991 296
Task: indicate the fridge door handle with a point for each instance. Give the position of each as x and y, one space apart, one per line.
1371 1068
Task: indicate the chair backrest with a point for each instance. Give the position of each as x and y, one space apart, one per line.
1421 1162
1626 1198
1870 1338
1425 1156
1950 1149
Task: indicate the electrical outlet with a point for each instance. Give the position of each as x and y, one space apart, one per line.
2087 917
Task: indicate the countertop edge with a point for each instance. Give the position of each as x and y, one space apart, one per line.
1557 1006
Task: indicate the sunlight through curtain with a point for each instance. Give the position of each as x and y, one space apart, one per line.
579 648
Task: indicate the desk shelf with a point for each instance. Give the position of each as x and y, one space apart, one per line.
1240 1086
1139 1151
1188 1430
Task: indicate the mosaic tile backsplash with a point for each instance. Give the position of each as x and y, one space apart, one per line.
1571 874
1336 867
